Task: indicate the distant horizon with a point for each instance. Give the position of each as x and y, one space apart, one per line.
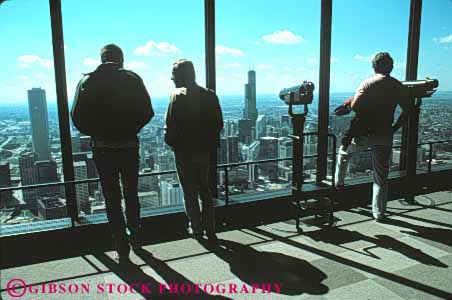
166 98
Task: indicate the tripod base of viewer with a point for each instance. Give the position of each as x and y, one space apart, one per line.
380 164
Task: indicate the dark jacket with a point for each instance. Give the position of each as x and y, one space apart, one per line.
111 103
193 120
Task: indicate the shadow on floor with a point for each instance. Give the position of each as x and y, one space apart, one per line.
439 235
339 236
183 288
291 275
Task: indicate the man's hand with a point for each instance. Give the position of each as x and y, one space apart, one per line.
400 121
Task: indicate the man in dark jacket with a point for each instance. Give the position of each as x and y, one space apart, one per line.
112 105
193 123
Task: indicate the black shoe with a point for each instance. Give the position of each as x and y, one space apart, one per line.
124 261
211 236
135 241
135 237
195 234
379 218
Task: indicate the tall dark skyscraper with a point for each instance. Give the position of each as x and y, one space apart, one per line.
5 181
28 176
233 149
37 107
46 172
269 149
245 130
222 151
250 111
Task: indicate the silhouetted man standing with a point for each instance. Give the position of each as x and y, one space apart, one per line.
374 103
193 124
112 105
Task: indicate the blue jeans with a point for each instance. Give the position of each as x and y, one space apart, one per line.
380 163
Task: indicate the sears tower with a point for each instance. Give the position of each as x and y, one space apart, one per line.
37 107
250 97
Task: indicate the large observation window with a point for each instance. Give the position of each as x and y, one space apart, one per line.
261 49
435 50
152 35
30 151
361 29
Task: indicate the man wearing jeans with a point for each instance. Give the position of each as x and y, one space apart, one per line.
193 124
112 105
374 103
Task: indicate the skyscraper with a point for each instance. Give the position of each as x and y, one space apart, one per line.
222 151
261 126
81 189
245 130
50 208
37 107
268 147
268 150
171 193
46 172
250 111
5 181
28 176
233 149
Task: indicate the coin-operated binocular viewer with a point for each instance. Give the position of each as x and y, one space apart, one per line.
301 94
416 90
310 201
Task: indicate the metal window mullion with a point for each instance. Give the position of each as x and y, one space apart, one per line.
324 89
209 30
63 109
411 128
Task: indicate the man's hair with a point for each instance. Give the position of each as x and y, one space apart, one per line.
184 69
111 53
383 63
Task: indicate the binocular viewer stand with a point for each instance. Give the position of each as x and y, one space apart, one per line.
313 202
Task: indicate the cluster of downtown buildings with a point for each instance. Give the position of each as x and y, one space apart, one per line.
28 159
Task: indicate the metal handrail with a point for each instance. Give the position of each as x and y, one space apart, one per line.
43 185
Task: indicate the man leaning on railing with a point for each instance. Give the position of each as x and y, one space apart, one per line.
374 103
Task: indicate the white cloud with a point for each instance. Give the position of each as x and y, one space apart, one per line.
223 50
263 67
232 65
91 62
136 65
285 37
27 60
155 48
361 58
443 40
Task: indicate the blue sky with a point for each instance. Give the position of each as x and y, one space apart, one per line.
279 39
